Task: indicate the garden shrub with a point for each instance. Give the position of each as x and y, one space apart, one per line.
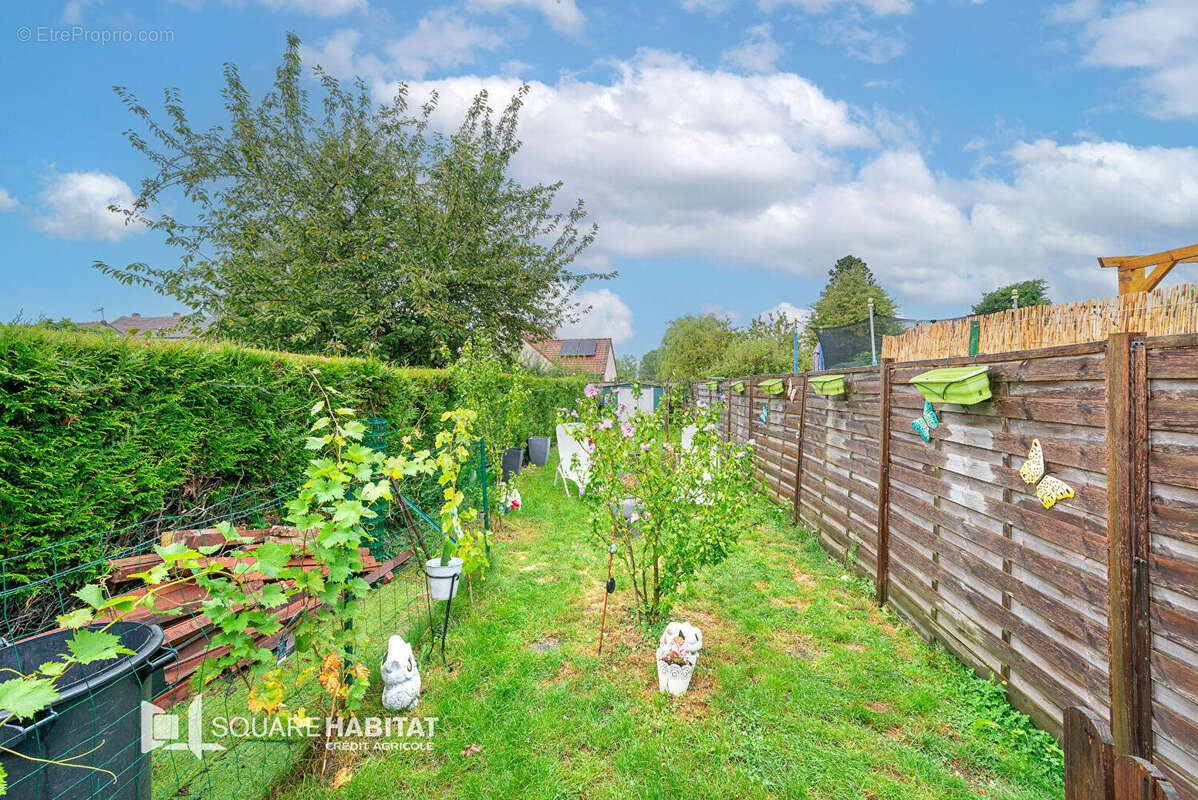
99 431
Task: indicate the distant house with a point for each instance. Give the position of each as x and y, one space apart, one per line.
593 357
172 327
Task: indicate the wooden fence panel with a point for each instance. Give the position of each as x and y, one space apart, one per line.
840 450
1172 375
974 559
1013 588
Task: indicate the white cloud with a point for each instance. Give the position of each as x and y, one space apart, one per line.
663 138
608 315
795 314
757 51
440 39
717 310
317 8
562 15
879 7
863 43
514 68
767 172
1074 10
711 8
313 8
72 12
7 201
1158 38
75 205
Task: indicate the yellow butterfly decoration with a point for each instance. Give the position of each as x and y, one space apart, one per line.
1033 469
1051 489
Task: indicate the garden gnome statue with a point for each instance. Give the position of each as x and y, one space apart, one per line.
401 678
677 654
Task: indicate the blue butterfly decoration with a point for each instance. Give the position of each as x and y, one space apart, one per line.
923 425
764 415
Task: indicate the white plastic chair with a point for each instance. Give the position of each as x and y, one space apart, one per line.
688 436
574 462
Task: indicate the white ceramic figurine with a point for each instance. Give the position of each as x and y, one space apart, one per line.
401 678
677 654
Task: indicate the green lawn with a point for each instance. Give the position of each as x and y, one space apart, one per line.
804 688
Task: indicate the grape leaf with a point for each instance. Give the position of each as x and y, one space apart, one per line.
91 595
88 646
26 696
76 619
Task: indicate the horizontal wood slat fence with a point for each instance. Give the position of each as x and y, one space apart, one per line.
961 547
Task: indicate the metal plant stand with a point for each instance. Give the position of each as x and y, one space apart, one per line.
444 632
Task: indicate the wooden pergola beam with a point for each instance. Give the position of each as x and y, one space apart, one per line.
1133 270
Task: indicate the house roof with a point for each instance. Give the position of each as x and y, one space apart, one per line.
583 365
170 327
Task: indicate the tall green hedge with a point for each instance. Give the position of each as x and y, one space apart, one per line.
101 431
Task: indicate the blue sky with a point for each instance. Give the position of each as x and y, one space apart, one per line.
729 151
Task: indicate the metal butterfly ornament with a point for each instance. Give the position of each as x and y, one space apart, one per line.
925 423
1051 488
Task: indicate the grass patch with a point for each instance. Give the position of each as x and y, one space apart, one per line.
805 688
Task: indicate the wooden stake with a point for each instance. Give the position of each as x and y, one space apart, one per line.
611 551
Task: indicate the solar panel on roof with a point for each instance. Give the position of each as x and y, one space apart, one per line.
584 348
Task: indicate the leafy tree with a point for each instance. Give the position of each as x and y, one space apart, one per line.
347 227
650 362
626 368
691 502
692 345
1031 293
845 298
766 346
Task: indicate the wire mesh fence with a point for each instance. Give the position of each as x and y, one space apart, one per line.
850 345
99 723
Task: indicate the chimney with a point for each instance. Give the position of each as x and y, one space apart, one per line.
135 315
176 315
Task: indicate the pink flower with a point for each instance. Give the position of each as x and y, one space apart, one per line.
574 413
645 447
627 428
591 390
606 424
752 443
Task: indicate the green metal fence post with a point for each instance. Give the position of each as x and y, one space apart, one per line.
482 454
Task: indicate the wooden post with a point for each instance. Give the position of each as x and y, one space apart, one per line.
1089 756
882 579
1127 533
1137 779
749 407
798 509
728 407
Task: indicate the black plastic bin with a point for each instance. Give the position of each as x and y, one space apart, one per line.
513 460
99 710
538 450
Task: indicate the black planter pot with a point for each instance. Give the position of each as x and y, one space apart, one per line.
97 715
513 460
538 450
